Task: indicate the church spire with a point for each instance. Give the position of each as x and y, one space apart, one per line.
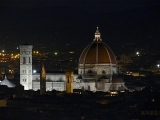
97 36
42 80
5 76
43 72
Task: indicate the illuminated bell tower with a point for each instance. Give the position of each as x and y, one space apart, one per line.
69 82
42 80
26 66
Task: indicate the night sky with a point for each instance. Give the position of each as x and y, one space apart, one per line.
56 23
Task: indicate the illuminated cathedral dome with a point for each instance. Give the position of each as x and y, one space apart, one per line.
97 65
97 52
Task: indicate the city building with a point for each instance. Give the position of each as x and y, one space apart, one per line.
26 66
97 70
7 83
98 67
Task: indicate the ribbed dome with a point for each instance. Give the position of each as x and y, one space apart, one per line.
97 52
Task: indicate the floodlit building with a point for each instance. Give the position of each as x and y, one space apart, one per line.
97 69
7 83
26 66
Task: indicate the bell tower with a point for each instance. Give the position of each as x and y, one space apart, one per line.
26 66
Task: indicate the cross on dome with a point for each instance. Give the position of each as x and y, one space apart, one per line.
97 36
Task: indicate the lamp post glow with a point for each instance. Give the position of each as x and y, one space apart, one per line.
34 71
137 53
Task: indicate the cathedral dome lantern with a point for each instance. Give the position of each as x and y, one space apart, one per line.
97 52
97 35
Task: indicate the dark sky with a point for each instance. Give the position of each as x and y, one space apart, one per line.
55 23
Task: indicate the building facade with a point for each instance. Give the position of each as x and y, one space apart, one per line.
97 66
97 69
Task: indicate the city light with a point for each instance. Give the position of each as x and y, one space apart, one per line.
11 71
34 71
137 53
36 52
55 53
71 52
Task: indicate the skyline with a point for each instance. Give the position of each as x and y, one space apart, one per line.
57 24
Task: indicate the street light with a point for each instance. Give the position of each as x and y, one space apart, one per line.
137 53
34 71
55 53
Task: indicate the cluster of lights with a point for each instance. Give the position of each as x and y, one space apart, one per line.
129 73
11 71
113 93
7 57
36 52
2 54
15 56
